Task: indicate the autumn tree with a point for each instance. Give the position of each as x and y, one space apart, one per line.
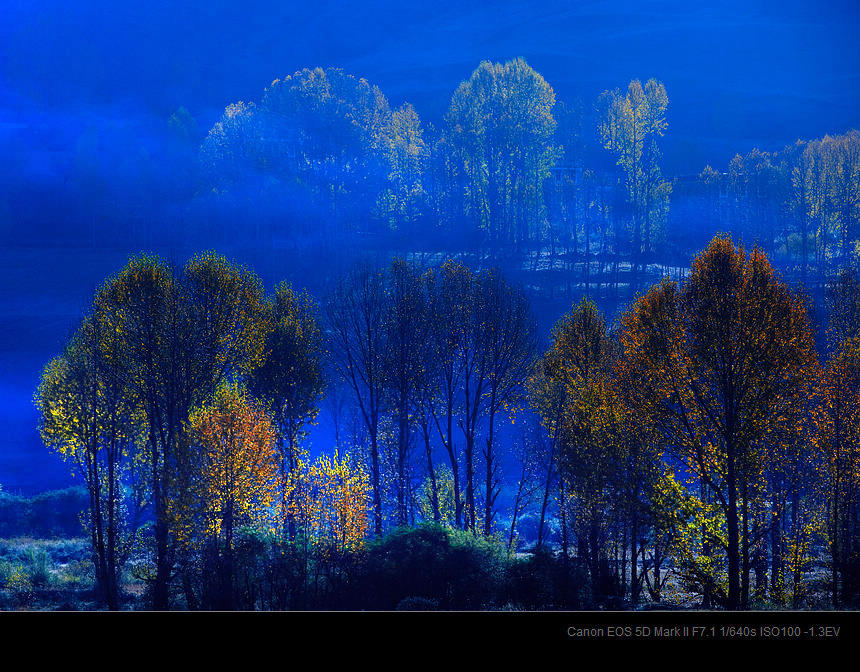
88 416
837 440
183 333
236 479
842 303
578 404
721 361
330 501
436 500
291 378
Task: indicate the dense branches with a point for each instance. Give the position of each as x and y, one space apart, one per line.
723 361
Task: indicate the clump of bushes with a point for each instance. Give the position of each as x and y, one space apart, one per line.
453 569
35 572
26 550
19 584
543 580
426 568
38 567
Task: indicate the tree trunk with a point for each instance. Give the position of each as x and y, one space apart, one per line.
734 541
434 490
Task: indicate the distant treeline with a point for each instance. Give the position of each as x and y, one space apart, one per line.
49 514
508 174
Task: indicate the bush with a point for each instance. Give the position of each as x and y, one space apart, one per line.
543 580
76 574
38 571
21 588
451 568
417 604
6 568
426 568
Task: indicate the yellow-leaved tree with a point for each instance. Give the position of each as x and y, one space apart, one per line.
329 500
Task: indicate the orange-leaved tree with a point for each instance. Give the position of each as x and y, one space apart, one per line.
722 360
291 377
236 469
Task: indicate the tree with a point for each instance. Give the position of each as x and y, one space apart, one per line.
448 314
629 126
498 149
325 145
843 309
404 362
472 362
547 396
291 378
436 501
330 501
88 416
581 409
529 482
236 475
509 344
182 334
754 182
838 445
358 343
721 361
406 155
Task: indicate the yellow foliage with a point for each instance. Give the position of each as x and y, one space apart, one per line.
329 499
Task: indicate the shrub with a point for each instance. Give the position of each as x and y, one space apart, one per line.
6 568
543 580
38 570
19 584
417 604
451 568
49 514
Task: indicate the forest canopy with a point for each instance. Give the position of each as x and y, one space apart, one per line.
697 447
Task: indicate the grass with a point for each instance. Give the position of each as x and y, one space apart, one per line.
49 574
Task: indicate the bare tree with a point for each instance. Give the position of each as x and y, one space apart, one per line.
358 343
509 343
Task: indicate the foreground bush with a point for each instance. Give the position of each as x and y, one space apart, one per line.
427 568
451 568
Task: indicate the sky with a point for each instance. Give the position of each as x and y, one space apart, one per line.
738 74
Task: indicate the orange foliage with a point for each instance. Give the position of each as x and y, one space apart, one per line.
238 460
